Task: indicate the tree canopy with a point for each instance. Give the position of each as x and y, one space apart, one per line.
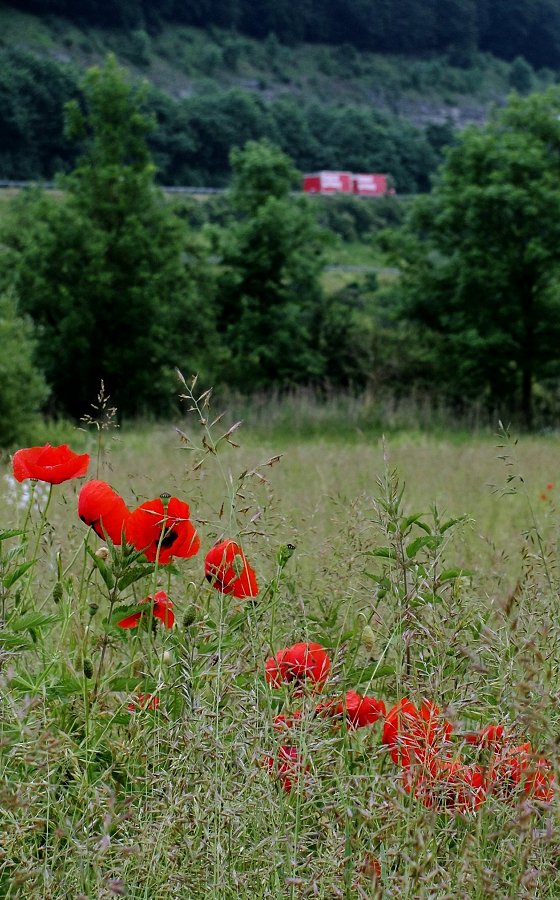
102 272
481 258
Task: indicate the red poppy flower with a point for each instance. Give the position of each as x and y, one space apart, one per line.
517 767
162 609
144 701
227 569
103 509
492 736
359 710
539 781
287 766
415 735
371 867
283 722
51 464
154 527
298 663
452 786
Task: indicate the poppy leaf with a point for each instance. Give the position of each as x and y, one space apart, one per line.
32 620
14 641
124 611
134 574
9 533
431 542
11 578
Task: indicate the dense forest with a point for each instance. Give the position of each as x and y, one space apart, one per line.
194 136
506 28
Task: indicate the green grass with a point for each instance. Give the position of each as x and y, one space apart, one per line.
100 801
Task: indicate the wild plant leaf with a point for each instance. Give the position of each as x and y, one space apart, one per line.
133 684
383 552
430 542
452 574
451 522
10 579
365 674
104 569
413 520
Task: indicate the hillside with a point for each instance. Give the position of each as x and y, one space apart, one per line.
328 106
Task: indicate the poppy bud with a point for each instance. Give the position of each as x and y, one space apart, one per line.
88 668
368 638
284 554
190 616
93 607
57 592
102 553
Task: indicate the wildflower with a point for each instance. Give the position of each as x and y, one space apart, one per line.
549 486
227 569
299 663
162 609
100 507
449 786
283 722
371 867
493 736
51 464
287 766
358 710
415 735
144 701
517 768
162 532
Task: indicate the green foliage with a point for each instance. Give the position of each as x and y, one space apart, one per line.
480 257
269 294
103 272
22 387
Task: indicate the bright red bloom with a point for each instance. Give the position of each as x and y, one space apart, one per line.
283 722
449 786
549 486
371 867
154 527
144 701
539 781
287 766
162 609
298 663
359 710
51 464
227 569
415 735
103 509
492 736
517 767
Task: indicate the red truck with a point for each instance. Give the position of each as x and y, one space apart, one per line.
363 184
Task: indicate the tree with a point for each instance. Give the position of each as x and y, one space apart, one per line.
102 272
481 259
22 387
269 293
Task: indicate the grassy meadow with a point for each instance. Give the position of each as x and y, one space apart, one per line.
103 796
